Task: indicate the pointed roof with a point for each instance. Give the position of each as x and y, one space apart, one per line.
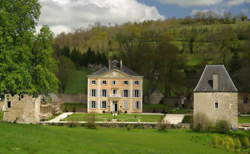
225 82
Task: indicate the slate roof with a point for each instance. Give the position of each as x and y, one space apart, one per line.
225 82
124 69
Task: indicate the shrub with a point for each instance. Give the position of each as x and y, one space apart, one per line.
154 110
229 143
65 109
217 141
245 142
129 127
201 123
72 124
237 143
222 126
163 126
187 119
91 121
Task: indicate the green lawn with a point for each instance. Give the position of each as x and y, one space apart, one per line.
85 117
79 107
120 117
244 119
1 116
60 139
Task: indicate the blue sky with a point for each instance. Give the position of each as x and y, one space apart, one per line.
68 15
169 10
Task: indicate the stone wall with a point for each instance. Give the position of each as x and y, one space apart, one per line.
1 105
244 103
21 109
227 106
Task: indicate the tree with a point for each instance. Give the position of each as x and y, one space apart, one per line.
26 63
44 65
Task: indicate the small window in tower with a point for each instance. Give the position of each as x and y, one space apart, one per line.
9 104
216 105
210 82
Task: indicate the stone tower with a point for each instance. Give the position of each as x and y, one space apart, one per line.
216 96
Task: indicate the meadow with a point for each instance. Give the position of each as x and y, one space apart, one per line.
16 138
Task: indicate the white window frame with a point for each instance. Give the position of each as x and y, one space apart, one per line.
126 83
136 93
127 93
138 105
113 82
92 82
102 104
93 104
104 81
92 93
105 93
135 83
126 105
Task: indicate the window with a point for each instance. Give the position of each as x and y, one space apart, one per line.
104 82
104 92
216 105
210 82
93 104
113 82
125 93
245 100
136 93
114 91
136 82
9 104
93 82
125 82
93 93
104 104
126 105
137 105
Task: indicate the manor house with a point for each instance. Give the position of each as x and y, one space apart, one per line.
115 89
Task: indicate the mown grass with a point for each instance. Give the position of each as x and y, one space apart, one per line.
120 117
59 139
1 116
244 119
70 107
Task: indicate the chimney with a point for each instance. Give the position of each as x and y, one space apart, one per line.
215 82
109 65
121 64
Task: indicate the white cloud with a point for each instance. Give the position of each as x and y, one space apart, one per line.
66 15
237 2
192 2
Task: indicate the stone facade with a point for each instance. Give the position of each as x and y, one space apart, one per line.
114 90
21 109
227 108
216 96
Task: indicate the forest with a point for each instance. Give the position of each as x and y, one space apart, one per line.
171 54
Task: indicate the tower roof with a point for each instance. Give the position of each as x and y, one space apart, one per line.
225 83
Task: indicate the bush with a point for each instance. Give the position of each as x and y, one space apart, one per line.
187 119
222 126
129 127
91 121
229 143
217 141
65 109
237 143
201 123
74 110
245 142
163 126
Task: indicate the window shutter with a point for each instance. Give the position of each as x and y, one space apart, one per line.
100 104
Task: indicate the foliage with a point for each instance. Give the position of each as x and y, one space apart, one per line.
91 121
26 63
245 142
222 126
201 123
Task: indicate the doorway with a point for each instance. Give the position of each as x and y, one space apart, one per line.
115 106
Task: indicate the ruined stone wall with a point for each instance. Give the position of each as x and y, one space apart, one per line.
227 106
24 109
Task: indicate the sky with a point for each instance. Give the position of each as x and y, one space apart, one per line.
69 15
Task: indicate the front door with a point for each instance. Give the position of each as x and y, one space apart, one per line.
115 106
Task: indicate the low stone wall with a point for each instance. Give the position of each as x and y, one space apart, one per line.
69 98
140 125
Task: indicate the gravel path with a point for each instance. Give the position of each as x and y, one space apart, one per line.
174 118
60 117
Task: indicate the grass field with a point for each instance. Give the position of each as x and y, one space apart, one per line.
120 117
1 116
245 119
60 139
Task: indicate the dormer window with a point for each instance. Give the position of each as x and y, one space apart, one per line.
93 82
113 82
126 82
136 82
